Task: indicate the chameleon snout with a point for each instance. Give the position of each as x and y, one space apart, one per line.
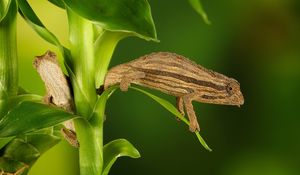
239 99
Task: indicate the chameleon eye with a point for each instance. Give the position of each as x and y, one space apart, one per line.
229 89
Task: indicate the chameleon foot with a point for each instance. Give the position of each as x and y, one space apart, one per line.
124 84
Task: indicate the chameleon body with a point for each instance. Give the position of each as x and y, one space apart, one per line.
178 76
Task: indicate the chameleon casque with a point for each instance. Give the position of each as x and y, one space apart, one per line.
180 77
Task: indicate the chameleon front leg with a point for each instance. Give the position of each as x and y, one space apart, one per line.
129 77
187 100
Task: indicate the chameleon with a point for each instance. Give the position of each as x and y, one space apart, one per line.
178 76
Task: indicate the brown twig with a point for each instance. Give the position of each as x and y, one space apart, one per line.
58 90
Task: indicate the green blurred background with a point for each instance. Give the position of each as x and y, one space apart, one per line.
257 42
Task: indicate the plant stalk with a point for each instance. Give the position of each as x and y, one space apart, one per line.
90 62
83 82
8 57
82 57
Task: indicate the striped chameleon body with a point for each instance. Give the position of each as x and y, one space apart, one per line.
178 76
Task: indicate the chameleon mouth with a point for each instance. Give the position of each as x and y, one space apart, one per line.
240 100
237 100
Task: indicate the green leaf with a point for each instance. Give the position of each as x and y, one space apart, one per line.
176 113
4 6
23 151
133 16
30 116
35 23
42 142
101 102
3 106
10 166
4 141
115 149
19 150
196 4
58 3
28 14
22 91
15 100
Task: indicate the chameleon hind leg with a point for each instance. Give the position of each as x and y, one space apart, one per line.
187 100
179 104
130 76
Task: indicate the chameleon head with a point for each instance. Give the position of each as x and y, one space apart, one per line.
234 94
227 94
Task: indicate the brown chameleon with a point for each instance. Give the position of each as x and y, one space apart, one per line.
178 76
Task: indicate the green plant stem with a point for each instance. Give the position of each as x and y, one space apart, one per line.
104 47
8 57
82 55
90 150
82 78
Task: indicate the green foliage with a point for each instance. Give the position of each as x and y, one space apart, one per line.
118 15
174 111
90 134
15 100
24 150
35 23
81 38
196 4
58 3
115 149
30 116
31 18
90 150
4 141
80 96
87 62
8 165
99 108
4 6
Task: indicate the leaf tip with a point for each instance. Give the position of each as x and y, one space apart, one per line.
155 40
202 141
136 154
206 20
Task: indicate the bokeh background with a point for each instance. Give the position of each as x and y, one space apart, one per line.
257 42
